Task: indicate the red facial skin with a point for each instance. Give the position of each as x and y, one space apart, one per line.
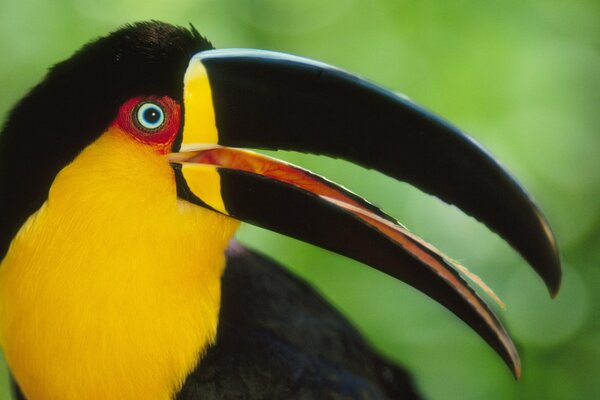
161 138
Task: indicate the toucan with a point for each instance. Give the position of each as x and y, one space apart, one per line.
125 174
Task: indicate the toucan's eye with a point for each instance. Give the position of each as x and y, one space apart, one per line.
151 120
150 116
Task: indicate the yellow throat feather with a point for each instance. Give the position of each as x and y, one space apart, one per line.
112 289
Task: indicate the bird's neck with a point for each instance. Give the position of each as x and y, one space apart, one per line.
112 289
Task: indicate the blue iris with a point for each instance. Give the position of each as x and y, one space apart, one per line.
150 116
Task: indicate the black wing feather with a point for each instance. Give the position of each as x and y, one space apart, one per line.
279 339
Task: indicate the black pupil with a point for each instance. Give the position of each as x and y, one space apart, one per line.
151 115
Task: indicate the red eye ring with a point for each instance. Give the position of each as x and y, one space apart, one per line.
151 120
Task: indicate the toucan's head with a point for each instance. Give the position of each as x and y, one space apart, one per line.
191 107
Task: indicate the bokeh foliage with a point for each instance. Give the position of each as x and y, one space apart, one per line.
522 76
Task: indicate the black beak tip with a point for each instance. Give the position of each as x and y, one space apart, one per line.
555 280
547 263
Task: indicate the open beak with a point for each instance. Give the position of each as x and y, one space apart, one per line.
265 100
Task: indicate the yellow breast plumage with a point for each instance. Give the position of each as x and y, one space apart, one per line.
98 280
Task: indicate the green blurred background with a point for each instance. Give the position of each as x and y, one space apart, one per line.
521 76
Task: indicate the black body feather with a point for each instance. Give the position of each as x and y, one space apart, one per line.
286 343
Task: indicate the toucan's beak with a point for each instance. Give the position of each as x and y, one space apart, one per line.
266 100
